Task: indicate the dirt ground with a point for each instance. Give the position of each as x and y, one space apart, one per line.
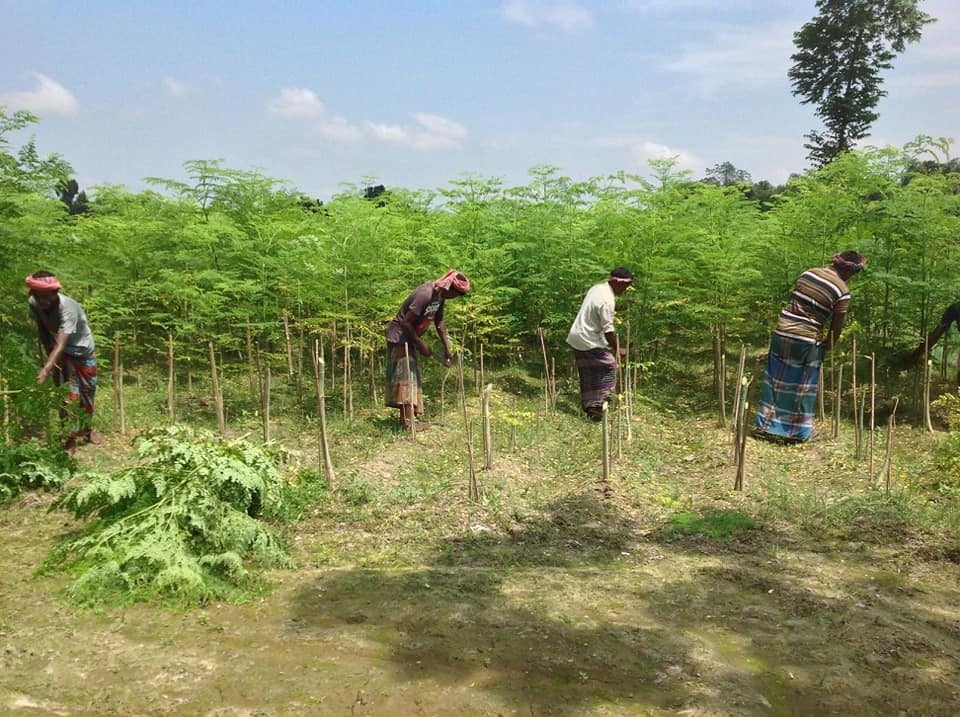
585 608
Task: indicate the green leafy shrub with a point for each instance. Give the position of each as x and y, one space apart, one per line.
181 525
946 480
32 465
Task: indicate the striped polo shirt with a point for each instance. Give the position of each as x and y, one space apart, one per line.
817 294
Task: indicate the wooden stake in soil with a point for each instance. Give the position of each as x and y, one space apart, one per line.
548 382
857 422
411 397
605 443
927 377
118 384
171 404
266 405
887 461
324 442
487 435
288 343
473 490
737 408
838 389
742 450
217 395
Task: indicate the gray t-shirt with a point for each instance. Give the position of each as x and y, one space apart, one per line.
66 317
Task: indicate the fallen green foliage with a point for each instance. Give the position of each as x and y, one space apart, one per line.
32 465
182 525
720 525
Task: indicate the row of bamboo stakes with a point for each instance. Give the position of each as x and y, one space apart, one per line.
627 376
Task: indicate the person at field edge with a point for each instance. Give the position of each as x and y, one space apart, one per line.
424 305
595 344
789 394
950 316
65 334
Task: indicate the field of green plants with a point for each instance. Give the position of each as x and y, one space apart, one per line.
207 559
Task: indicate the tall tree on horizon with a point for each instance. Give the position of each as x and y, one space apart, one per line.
840 55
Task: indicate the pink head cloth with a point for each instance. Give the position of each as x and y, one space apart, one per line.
43 283
455 280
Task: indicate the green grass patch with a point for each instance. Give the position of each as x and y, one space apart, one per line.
719 525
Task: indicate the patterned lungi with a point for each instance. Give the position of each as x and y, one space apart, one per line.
788 398
598 378
403 378
80 374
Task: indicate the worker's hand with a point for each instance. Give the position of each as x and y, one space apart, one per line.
42 374
447 358
425 349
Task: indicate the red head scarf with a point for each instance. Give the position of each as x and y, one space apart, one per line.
453 279
43 283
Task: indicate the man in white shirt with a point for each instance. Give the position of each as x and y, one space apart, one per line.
595 344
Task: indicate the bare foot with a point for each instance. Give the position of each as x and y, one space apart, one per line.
70 446
95 437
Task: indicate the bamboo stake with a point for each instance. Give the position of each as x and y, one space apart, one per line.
927 379
253 372
473 490
346 369
888 461
6 410
741 367
873 407
546 365
410 396
118 383
373 381
487 436
300 347
620 410
217 396
171 404
836 402
288 344
265 414
628 385
482 371
742 452
121 400
605 443
324 443
857 442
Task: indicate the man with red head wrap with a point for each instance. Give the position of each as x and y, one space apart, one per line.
65 333
423 306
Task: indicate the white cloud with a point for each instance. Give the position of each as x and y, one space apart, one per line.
565 16
49 98
430 131
296 103
641 151
434 132
178 89
337 129
752 57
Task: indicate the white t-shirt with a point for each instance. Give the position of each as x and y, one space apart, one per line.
594 319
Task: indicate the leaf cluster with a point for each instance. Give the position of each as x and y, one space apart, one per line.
182 525
32 465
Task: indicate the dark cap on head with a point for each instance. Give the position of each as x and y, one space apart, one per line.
622 273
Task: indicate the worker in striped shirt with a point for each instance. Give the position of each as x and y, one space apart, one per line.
809 325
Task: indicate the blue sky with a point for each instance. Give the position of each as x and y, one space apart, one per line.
416 94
